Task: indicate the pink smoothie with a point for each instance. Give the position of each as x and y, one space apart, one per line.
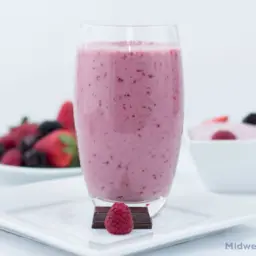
129 119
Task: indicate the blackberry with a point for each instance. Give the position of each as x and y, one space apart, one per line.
250 119
34 158
49 126
2 150
28 142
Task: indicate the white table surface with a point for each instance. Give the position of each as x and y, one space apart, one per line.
211 246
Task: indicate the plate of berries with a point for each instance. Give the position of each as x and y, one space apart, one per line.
34 151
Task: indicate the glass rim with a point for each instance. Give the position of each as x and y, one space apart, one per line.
111 25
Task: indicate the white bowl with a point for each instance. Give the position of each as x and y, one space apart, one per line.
226 166
13 175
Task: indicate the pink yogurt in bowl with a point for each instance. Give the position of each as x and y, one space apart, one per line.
204 132
225 166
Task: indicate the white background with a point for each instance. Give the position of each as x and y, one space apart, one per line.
38 40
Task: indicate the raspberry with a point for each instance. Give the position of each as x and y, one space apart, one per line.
12 157
119 219
24 130
223 135
8 141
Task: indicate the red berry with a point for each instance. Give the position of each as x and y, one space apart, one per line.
24 120
12 157
24 130
8 141
223 135
219 119
66 116
119 219
59 146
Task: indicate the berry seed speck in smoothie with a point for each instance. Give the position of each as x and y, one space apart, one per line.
129 118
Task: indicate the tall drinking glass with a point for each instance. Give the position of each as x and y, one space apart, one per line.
129 112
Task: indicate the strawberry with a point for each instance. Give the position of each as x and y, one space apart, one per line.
218 119
60 148
119 219
12 157
66 116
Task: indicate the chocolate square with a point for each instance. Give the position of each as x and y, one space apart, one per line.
141 218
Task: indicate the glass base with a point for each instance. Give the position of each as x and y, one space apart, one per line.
154 207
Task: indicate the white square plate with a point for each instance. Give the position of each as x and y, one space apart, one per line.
59 214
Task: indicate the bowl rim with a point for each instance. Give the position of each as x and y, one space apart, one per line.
244 142
39 171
